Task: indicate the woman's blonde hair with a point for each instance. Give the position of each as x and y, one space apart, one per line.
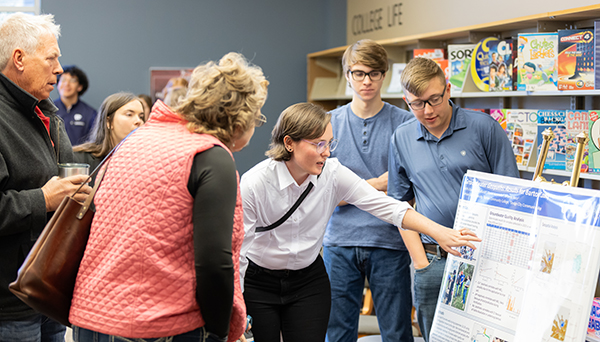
224 98
299 121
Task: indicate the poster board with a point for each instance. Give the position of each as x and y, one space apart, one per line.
533 276
160 76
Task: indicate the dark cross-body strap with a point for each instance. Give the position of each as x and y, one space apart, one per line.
289 213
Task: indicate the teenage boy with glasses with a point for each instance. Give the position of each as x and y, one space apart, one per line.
357 244
428 158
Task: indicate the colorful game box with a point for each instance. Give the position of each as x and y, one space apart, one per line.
575 60
480 64
593 330
459 58
500 116
577 121
596 54
556 120
594 143
521 130
501 65
537 61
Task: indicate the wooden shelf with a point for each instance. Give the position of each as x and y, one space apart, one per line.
326 63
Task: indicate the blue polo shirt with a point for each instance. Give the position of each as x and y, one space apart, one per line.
431 169
78 120
363 146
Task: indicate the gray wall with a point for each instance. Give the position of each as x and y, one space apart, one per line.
116 42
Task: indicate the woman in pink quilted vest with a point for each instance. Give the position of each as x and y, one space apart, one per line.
162 259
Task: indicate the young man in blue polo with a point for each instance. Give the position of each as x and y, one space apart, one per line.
77 115
427 160
357 245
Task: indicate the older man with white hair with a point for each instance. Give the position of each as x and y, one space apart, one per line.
33 141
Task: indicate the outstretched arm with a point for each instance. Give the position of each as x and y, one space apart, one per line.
446 237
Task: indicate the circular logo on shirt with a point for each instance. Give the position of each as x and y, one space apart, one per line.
77 117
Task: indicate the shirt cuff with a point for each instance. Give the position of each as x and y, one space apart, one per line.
399 213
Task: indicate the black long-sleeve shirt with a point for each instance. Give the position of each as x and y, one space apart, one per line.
213 184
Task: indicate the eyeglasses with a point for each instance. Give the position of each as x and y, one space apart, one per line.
433 101
260 120
70 80
323 145
374 75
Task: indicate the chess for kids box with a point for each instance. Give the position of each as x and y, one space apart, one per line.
556 120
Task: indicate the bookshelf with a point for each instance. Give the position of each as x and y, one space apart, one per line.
326 84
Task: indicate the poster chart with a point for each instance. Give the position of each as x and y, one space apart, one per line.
533 275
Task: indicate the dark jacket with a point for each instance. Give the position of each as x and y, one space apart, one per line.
27 161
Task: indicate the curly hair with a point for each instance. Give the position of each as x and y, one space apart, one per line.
224 98
299 121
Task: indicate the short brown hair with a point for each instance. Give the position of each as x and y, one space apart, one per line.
418 73
367 52
224 98
299 121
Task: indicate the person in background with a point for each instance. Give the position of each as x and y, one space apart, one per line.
356 243
77 115
428 159
147 102
174 96
162 260
33 141
119 114
286 287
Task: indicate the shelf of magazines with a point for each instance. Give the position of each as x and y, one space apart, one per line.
562 173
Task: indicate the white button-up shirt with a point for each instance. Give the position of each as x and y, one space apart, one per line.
269 191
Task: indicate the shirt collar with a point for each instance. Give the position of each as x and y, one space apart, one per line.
457 122
285 179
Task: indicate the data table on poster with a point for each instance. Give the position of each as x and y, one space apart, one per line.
506 245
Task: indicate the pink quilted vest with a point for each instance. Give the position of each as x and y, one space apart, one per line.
137 277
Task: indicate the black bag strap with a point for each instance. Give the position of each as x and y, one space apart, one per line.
289 213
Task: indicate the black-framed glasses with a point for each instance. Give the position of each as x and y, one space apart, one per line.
323 145
260 120
374 75
433 101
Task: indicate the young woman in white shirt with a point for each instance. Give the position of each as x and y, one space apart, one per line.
286 288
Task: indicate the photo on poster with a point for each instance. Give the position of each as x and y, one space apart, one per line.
560 324
548 257
457 284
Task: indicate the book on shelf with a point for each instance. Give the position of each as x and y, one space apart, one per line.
500 116
500 65
459 59
480 64
556 120
596 54
395 84
594 143
576 121
522 130
537 58
575 60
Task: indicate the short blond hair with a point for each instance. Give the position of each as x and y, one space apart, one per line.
224 98
418 73
299 121
367 52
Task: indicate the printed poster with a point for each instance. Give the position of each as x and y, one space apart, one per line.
533 276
